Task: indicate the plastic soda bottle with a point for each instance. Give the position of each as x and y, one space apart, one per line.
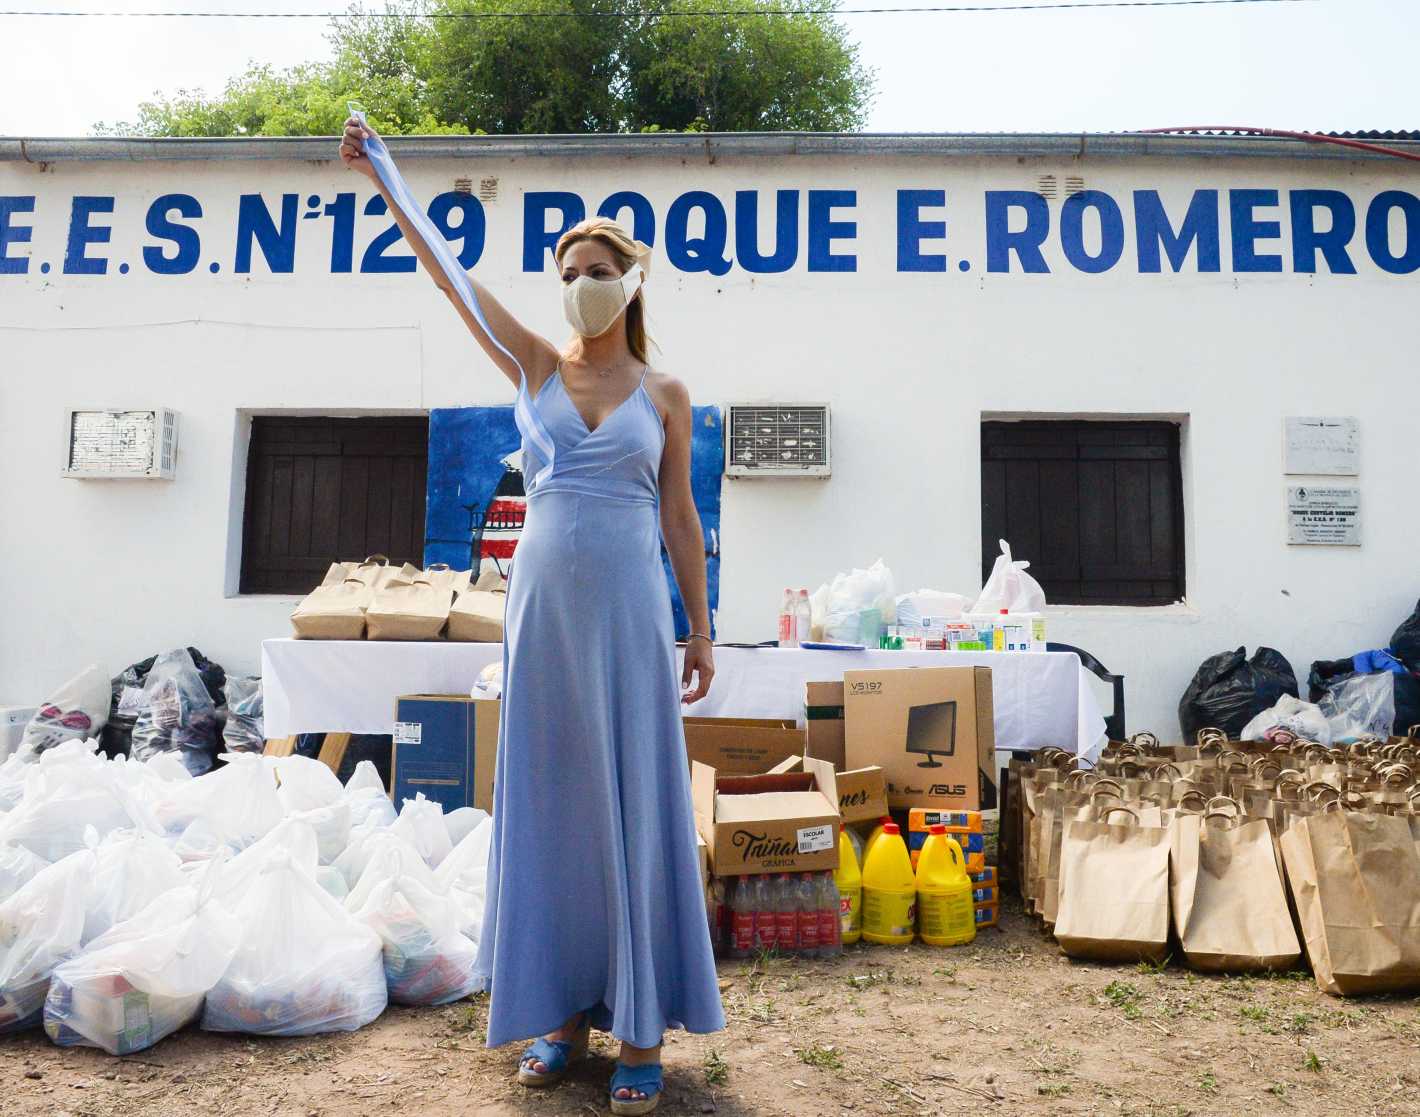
741 903
766 919
803 618
889 890
946 913
786 620
848 883
806 903
830 933
786 907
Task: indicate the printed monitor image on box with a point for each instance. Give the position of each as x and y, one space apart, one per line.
932 731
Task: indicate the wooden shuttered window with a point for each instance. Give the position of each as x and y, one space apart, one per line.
321 490
1097 508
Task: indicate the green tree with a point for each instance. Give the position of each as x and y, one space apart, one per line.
560 66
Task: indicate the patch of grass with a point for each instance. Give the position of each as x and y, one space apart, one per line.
870 979
1311 1062
825 1058
717 1071
1277 1090
1258 1014
1208 1082
1053 1089
1155 968
762 1012
1300 1023
1124 997
948 972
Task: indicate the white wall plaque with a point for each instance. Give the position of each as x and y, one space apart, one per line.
1322 515
1328 445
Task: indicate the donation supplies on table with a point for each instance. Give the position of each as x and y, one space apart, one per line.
262 897
371 599
1243 853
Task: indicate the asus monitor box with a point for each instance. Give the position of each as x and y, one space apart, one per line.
929 729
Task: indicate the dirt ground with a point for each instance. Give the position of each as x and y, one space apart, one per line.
1005 1024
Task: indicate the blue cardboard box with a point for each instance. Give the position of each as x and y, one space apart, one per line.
444 748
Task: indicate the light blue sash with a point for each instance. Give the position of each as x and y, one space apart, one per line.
528 419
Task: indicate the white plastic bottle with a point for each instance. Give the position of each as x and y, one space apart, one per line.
786 621
803 618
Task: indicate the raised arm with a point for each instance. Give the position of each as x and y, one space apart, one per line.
535 353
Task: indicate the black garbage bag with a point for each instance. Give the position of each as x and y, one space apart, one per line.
1405 641
1229 690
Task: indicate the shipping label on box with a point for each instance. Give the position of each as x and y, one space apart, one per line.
772 823
445 748
747 746
931 731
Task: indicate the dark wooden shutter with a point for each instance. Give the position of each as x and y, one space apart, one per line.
1097 508
321 490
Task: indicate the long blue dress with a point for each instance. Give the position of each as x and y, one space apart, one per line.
594 897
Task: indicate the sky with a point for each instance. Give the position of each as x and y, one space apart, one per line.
1316 65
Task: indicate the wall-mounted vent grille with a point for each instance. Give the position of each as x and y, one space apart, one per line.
777 440
114 443
487 189
1074 184
1047 186
463 186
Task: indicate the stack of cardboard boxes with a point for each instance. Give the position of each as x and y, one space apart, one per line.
770 797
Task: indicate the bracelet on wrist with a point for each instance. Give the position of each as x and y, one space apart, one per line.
699 636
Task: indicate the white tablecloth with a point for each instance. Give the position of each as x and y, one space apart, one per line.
327 686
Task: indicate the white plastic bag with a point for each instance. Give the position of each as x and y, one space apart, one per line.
914 608
62 800
41 925
462 822
1009 587
855 605
145 978
369 810
310 791
239 801
1301 719
291 840
75 711
1361 706
383 856
18 866
132 869
303 966
463 877
421 823
427 961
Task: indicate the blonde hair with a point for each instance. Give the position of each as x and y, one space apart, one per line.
626 251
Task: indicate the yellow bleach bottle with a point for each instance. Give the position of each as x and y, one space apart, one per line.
849 879
877 832
946 915
889 891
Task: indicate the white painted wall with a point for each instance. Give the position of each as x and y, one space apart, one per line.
113 571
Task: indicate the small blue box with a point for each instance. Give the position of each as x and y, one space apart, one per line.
444 748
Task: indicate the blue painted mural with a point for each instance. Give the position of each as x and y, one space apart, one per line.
475 502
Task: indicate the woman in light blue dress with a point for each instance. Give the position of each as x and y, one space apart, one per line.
595 914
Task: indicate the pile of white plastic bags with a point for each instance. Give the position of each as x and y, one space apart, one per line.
263 897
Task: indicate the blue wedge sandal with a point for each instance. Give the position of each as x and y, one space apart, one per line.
645 1079
555 1055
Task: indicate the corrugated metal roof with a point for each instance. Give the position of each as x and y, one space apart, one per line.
707 146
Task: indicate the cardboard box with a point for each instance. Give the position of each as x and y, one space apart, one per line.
930 729
823 716
704 851
862 794
13 720
784 822
445 746
747 746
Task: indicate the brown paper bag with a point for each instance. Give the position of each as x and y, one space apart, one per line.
477 614
333 612
1356 879
408 608
1229 909
443 577
339 571
1114 890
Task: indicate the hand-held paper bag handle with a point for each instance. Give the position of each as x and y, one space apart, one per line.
383 162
